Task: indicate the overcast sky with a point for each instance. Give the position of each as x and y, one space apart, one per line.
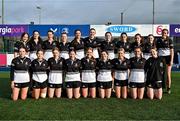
91 11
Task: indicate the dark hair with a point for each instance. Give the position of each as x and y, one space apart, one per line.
108 33
32 37
140 36
76 31
121 49
23 48
72 50
124 33
23 34
40 50
105 52
93 29
138 47
50 31
165 30
154 43
55 49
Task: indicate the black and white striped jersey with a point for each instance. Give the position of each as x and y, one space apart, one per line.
19 65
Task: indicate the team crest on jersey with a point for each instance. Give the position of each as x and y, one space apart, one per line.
44 64
111 44
54 43
26 63
161 64
92 63
76 65
60 63
109 63
124 64
127 46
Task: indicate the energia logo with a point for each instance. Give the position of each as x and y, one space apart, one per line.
120 29
11 30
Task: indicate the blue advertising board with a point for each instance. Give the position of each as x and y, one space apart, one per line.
58 29
175 30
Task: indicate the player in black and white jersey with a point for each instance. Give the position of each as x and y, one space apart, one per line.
64 46
139 42
123 43
55 80
88 74
39 69
121 76
165 49
108 45
72 75
22 43
77 44
49 44
20 77
34 44
137 74
104 77
93 42
148 46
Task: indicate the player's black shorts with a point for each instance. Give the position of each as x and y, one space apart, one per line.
136 85
155 85
104 85
74 84
54 85
21 85
88 85
120 83
167 59
37 85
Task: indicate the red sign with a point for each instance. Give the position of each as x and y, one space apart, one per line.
3 60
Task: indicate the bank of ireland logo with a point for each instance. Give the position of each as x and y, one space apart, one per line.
120 29
65 30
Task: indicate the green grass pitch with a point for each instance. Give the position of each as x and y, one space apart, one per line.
89 109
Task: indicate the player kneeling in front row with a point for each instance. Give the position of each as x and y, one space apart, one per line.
155 69
72 76
88 74
121 67
20 77
104 77
137 74
39 68
56 64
